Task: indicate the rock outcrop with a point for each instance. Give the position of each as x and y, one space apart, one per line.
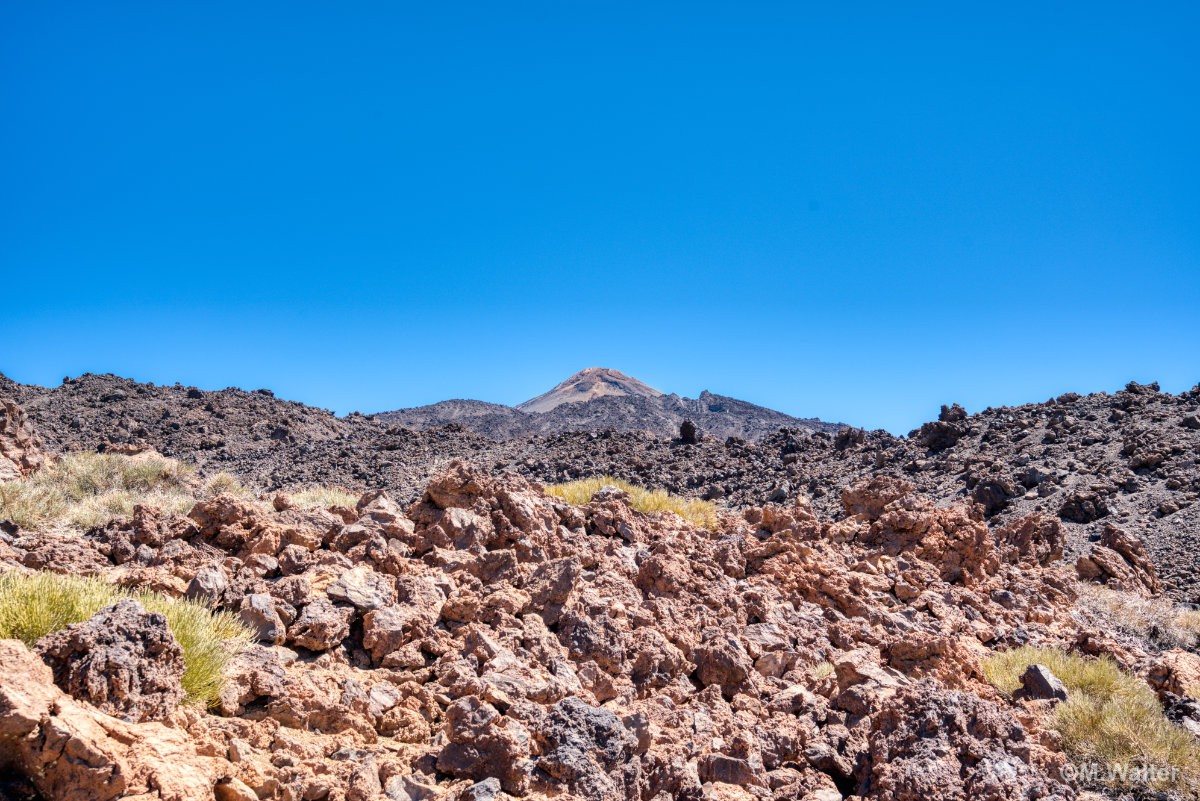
22 452
70 751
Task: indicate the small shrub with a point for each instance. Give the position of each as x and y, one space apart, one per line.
324 497
225 484
80 475
1109 719
99 509
89 489
822 671
697 512
33 605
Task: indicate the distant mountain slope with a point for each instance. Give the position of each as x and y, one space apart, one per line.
599 398
494 419
587 385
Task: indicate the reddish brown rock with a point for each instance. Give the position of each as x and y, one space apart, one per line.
483 743
22 452
1119 561
930 744
72 752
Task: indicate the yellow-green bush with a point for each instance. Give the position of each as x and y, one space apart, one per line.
1110 718
697 512
33 605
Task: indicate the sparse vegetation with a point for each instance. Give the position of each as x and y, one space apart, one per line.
697 512
89 489
322 497
1110 719
33 605
84 490
1156 620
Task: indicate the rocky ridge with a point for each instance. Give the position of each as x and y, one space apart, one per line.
1129 459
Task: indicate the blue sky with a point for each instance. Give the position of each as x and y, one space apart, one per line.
853 211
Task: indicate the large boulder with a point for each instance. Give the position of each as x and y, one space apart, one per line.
589 750
483 743
1119 561
931 744
72 752
321 625
124 661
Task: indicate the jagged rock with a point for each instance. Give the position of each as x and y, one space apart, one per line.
72 752
378 509
62 553
124 661
1035 538
720 659
589 750
1084 507
209 584
363 588
388 629
321 625
1176 672
870 497
1119 561
255 673
22 452
487 790
483 743
930 744
946 431
258 612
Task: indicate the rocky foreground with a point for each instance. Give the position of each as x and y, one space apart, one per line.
491 642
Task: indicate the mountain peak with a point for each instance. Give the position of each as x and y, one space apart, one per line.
594 382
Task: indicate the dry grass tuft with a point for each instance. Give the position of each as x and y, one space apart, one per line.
1155 620
89 489
697 512
324 497
1110 719
33 605
85 490
225 484
822 671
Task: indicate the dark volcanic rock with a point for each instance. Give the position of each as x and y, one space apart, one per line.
123 661
1038 683
931 744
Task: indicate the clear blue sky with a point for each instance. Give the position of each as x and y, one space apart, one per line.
851 210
